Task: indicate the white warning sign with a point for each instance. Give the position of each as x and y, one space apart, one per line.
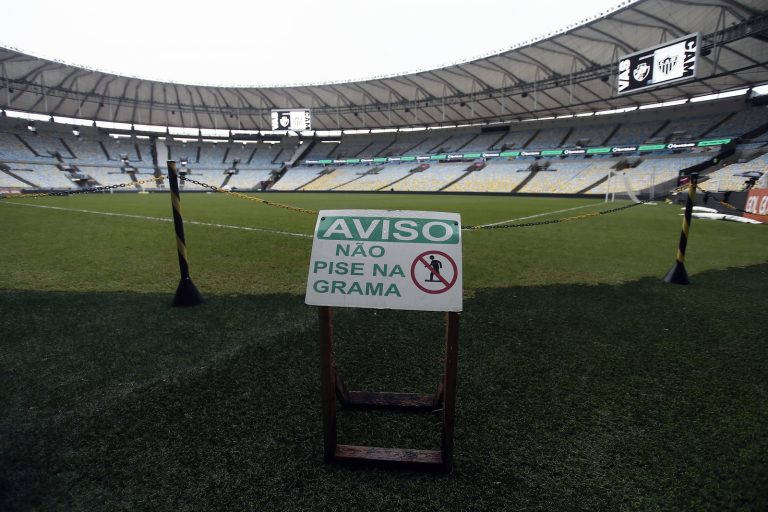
386 260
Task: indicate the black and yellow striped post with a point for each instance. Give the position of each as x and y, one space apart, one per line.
186 292
677 274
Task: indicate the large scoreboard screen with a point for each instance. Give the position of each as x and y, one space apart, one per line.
296 120
666 63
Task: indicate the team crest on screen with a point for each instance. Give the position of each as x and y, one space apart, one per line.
641 71
668 64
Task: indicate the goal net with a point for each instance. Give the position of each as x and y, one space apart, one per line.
619 186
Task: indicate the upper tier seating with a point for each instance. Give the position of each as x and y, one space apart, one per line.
741 123
549 138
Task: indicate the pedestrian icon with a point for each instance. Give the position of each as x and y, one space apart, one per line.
434 272
435 269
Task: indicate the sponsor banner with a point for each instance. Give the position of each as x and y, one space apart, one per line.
757 205
666 63
386 259
713 142
544 152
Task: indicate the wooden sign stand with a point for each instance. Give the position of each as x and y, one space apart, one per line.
333 387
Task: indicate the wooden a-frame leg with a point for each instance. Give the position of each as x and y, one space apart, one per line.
327 383
449 387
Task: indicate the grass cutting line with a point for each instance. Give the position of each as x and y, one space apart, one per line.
165 219
540 215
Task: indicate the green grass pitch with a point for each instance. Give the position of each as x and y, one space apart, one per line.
585 383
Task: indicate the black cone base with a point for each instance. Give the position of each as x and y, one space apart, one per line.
677 274
187 294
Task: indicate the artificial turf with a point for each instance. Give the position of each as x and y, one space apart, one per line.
585 383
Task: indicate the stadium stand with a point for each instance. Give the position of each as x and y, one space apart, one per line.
8 181
321 150
12 149
46 145
634 133
44 176
434 178
116 148
430 145
555 177
106 175
588 177
457 142
408 144
88 151
248 179
481 142
589 135
497 176
96 154
378 178
689 128
548 138
514 139
337 177
295 178
741 122
729 178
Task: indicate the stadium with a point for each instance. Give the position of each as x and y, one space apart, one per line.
584 381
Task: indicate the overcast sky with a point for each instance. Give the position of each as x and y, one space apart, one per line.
278 42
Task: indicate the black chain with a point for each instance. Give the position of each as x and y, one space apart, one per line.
205 185
80 191
249 198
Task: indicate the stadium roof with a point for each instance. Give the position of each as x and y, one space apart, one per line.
571 71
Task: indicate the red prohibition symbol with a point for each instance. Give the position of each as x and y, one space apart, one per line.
433 272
